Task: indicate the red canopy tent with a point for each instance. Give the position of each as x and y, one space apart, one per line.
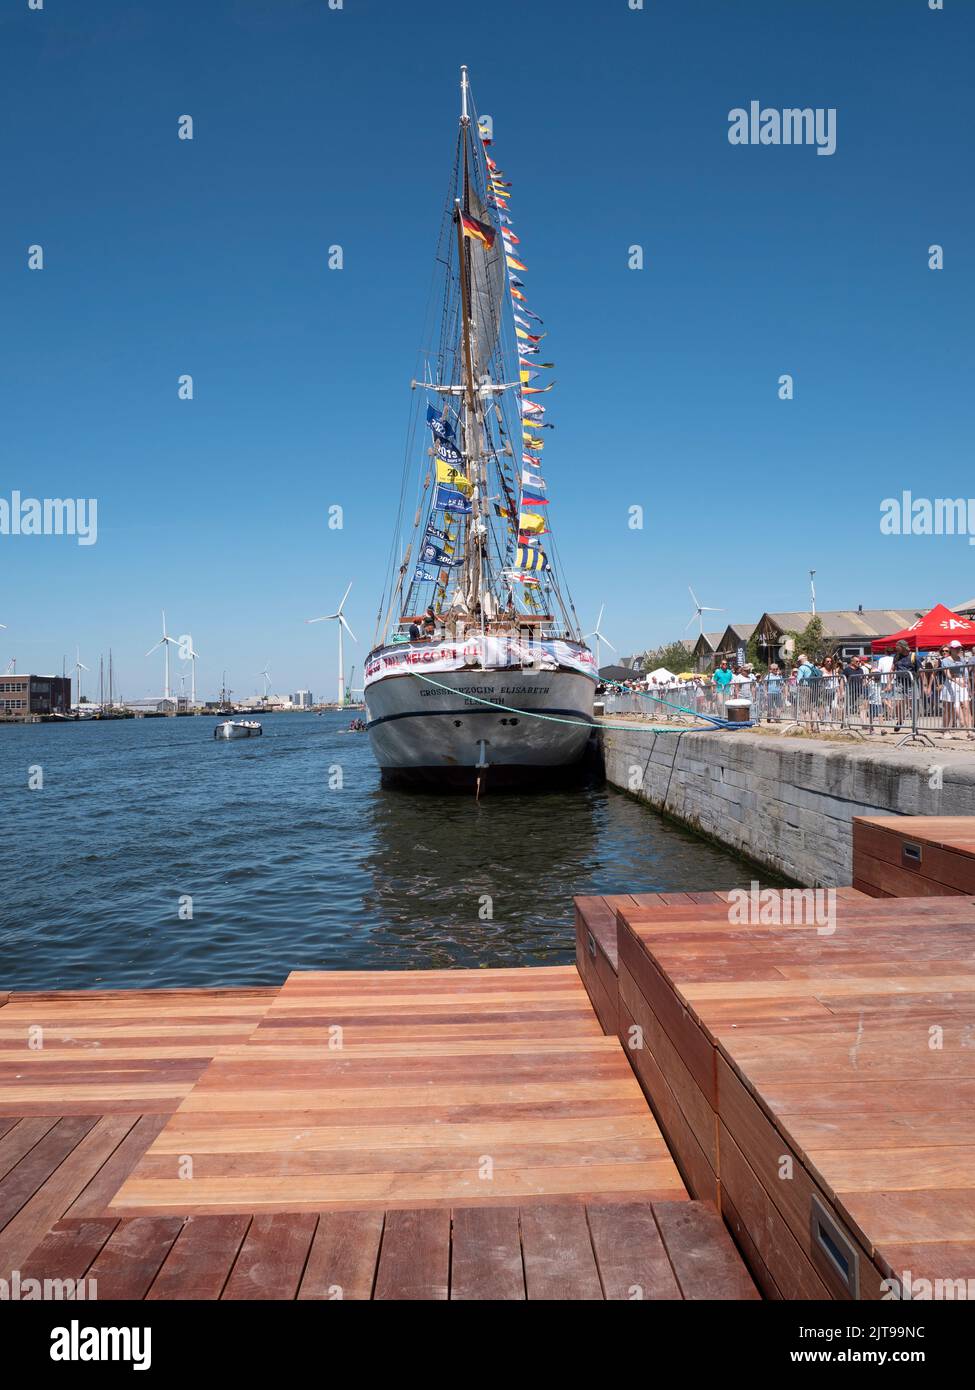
936 629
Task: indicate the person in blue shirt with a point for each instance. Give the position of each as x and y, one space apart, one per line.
773 687
722 677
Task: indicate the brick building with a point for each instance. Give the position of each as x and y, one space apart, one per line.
24 695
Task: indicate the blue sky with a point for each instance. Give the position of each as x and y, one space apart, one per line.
315 126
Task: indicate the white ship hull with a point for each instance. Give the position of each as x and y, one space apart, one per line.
232 728
423 732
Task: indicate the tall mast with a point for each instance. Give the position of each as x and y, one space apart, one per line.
472 440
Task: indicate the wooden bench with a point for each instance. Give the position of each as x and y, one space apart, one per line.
914 856
818 1086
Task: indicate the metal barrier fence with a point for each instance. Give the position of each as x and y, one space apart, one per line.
917 704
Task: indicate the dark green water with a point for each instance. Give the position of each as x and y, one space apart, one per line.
286 872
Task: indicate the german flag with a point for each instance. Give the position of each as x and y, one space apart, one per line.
480 231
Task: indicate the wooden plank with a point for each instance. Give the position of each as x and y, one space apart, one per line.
116 1051
272 1258
486 1261
597 916
946 860
695 1048
67 1252
343 1257
704 1260
199 1263
37 1165
20 1138
414 1260
952 1262
94 1200
694 1105
692 1162
75 1150
630 1255
779 1170
133 1255
559 1259
768 1231
901 882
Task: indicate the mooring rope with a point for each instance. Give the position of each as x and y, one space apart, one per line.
585 723
712 718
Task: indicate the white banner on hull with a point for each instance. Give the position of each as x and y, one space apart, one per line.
480 653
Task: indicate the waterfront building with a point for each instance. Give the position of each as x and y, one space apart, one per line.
302 699
704 649
24 695
733 640
847 632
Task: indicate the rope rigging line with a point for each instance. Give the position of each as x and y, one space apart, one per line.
715 719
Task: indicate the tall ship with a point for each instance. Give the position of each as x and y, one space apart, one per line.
479 676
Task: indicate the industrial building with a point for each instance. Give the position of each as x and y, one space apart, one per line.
21 696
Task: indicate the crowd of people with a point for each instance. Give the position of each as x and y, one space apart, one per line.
893 688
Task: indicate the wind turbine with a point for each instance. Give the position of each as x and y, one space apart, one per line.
193 655
79 666
340 617
699 610
165 642
267 676
600 636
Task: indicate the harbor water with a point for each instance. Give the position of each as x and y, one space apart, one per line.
147 853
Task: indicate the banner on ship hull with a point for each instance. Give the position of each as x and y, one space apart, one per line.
498 653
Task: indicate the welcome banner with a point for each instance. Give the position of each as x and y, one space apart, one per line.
475 653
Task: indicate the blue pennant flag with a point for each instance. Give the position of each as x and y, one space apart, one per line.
442 428
448 499
448 453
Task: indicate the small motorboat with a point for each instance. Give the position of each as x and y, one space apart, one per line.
238 728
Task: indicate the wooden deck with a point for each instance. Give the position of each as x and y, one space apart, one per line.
467 1134
626 1251
410 1088
134 1052
790 1068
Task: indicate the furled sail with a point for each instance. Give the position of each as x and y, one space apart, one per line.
487 289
